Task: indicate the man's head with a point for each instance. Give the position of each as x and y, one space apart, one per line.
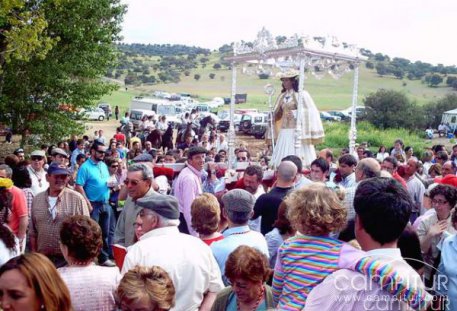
238 206
360 151
380 203
346 165
188 139
390 165
242 155
58 176
158 211
327 155
5 171
97 151
80 159
441 157
398 144
147 145
80 144
411 167
319 170
169 157
296 160
19 152
448 168
59 155
287 172
367 168
139 180
253 176
38 158
196 157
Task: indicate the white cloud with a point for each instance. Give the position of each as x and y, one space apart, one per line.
417 30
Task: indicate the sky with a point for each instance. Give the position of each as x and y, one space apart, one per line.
413 29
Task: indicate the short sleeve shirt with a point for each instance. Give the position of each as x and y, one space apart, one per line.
93 177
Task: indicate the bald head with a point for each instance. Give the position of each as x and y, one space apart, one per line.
367 168
287 171
448 168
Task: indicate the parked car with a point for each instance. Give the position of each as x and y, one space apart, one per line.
107 108
224 122
254 123
343 115
325 116
93 114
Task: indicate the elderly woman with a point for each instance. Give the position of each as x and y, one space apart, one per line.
247 270
206 215
437 226
30 282
314 211
146 288
91 287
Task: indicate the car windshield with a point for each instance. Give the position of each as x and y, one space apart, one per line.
136 115
166 110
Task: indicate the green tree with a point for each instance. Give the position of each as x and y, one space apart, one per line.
197 76
23 32
384 107
217 66
212 75
434 80
381 69
369 65
69 73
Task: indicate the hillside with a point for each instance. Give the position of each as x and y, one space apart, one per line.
138 65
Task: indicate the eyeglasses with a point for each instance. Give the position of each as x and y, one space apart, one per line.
439 202
242 158
114 166
133 182
100 151
36 158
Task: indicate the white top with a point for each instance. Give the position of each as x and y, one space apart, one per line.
39 182
187 259
91 287
6 253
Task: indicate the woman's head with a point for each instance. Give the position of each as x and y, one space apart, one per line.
289 84
382 149
82 238
247 269
206 214
315 210
21 176
35 284
434 170
282 223
444 198
146 288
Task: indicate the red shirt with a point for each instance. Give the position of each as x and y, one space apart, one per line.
18 209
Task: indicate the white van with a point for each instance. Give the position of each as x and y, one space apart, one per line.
136 115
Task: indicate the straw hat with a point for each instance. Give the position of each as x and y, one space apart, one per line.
290 73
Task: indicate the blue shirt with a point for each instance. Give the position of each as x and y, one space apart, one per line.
93 177
448 268
234 237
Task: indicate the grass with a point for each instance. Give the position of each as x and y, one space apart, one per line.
327 93
336 137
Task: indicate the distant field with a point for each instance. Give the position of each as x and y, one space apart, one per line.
327 93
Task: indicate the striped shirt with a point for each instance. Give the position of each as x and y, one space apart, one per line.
44 228
305 261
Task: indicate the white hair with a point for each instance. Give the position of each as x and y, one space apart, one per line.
166 222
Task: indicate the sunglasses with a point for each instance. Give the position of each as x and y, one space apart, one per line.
36 158
241 158
114 166
100 151
132 182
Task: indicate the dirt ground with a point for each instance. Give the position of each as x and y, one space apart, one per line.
255 146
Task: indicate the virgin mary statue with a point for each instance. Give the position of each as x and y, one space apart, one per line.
287 113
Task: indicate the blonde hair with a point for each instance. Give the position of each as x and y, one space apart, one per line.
152 282
315 210
206 214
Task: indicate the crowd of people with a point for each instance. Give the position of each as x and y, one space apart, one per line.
363 231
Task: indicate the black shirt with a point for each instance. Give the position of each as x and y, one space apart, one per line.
267 206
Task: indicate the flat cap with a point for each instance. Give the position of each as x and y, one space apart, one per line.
60 151
238 200
38 153
164 205
196 150
144 157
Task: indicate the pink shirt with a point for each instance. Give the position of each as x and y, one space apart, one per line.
187 187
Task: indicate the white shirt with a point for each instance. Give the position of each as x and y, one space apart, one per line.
39 182
188 261
254 224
